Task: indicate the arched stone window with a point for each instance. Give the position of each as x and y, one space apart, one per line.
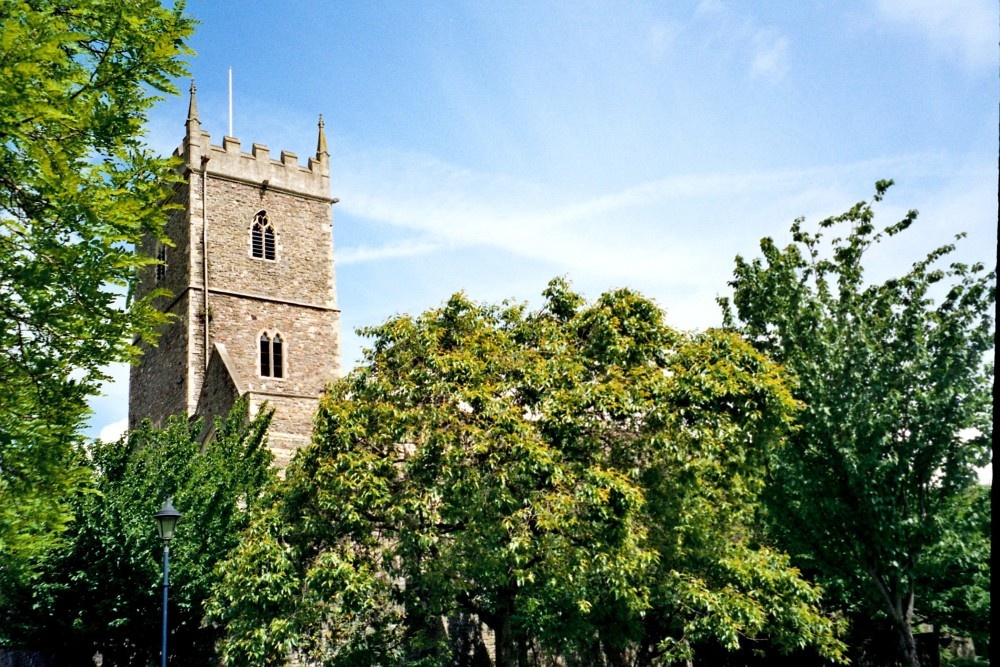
277 357
272 356
262 237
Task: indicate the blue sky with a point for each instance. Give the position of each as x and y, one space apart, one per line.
489 147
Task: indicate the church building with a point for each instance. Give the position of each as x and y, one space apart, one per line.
250 276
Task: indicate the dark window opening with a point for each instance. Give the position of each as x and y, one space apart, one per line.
262 241
161 266
276 356
272 357
265 356
268 243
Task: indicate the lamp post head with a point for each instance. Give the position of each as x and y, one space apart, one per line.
166 520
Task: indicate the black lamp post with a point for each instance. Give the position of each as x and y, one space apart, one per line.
166 520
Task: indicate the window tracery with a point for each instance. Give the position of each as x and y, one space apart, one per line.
262 238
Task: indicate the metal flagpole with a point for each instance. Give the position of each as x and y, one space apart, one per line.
230 101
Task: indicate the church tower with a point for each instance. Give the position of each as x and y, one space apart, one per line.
250 277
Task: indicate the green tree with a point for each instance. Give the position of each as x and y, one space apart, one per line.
580 478
100 590
77 189
893 382
954 573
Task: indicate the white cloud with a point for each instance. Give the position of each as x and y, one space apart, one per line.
967 29
985 475
738 33
672 238
113 431
661 37
770 55
710 7
111 406
364 253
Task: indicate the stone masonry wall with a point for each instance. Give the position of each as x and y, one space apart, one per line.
293 295
303 269
220 390
310 342
160 384
292 425
177 229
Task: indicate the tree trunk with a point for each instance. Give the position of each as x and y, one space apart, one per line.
616 657
506 645
900 608
907 645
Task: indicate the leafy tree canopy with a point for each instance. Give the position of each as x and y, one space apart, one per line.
581 479
954 573
893 380
77 189
100 590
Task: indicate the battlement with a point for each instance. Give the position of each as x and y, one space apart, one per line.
255 168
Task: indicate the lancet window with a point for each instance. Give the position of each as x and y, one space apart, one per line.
272 361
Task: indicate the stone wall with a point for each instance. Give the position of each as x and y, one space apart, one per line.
255 167
177 276
309 341
303 270
292 426
220 390
293 296
158 385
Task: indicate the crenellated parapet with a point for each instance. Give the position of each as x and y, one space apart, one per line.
257 167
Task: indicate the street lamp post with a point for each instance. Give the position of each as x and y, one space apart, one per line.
166 520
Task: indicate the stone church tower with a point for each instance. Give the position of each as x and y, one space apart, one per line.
251 282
